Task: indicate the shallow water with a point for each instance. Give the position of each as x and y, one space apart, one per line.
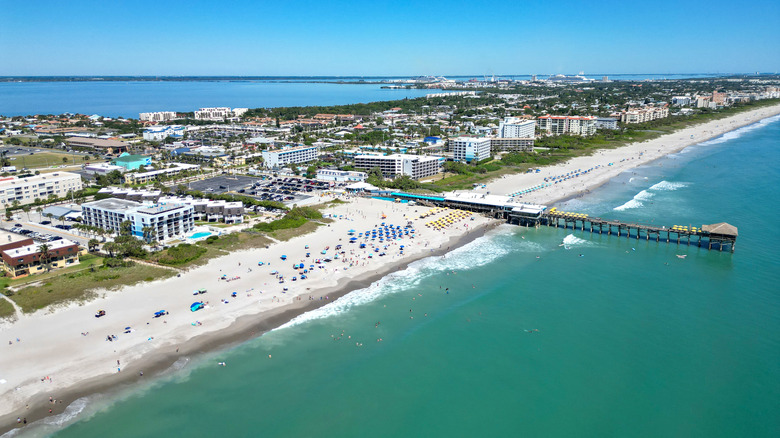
516 335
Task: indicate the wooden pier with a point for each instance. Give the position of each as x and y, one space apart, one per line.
718 236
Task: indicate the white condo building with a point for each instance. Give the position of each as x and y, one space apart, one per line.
574 125
514 127
160 116
282 157
220 113
159 133
26 190
414 166
470 148
162 221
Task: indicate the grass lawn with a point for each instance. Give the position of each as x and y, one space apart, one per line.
6 309
81 285
43 159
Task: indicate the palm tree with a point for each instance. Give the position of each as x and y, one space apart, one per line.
45 256
92 244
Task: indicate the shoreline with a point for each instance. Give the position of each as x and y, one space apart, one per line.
249 325
242 329
609 163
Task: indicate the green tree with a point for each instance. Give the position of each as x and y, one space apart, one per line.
125 228
92 244
45 256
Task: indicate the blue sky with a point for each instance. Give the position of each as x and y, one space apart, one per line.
240 37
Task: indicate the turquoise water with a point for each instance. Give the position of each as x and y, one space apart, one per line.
200 234
631 341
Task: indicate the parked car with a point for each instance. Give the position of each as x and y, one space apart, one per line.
46 223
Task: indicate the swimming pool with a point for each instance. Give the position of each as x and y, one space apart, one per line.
200 235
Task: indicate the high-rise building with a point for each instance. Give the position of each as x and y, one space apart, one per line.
470 148
574 125
513 127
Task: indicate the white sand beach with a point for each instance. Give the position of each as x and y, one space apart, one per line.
65 352
621 159
60 350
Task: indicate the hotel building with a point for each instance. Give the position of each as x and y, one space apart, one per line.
296 155
26 190
167 220
513 127
21 256
414 166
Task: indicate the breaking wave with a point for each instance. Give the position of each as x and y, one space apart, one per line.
571 241
731 135
472 255
636 201
668 186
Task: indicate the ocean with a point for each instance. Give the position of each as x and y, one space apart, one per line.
129 98
524 332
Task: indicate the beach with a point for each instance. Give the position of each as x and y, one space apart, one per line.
52 358
608 163
69 352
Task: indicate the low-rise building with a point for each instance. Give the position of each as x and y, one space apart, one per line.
414 166
27 189
132 162
340 175
511 145
275 158
102 168
470 148
606 123
160 222
152 175
160 133
97 144
217 210
22 257
574 125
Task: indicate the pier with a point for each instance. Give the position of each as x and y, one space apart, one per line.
717 236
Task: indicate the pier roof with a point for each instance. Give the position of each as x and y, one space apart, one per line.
720 228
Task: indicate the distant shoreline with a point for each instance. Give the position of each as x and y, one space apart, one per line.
326 79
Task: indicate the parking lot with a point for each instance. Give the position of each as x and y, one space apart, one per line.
289 190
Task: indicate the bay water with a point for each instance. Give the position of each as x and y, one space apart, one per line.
128 98
524 332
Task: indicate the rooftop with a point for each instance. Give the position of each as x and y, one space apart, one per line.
114 204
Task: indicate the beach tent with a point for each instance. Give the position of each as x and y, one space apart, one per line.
196 306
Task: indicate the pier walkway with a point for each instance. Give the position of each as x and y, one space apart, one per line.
718 236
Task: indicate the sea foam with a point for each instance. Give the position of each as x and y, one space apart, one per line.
668 186
636 201
478 253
